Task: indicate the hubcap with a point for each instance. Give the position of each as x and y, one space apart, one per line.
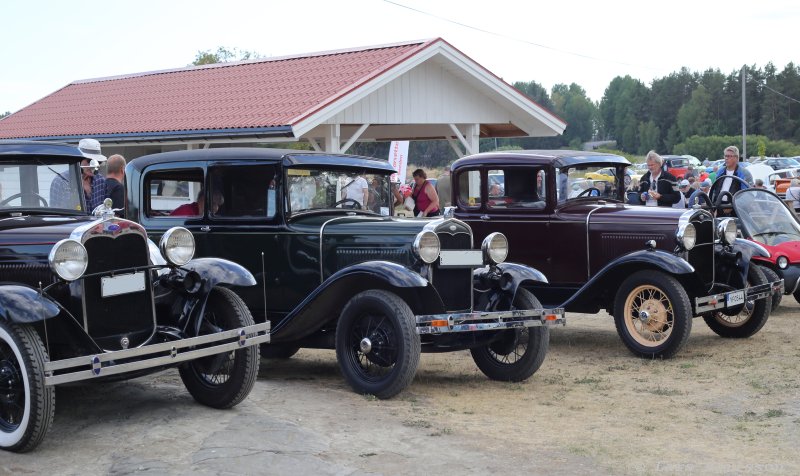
365 345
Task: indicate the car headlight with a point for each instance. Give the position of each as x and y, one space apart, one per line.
687 236
68 259
426 246
177 246
727 231
495 248
783 262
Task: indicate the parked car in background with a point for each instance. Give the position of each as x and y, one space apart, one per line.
608 174
677 165
336 273
780 180
781 163
652 268
90 298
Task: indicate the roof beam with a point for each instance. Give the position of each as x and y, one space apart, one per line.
354 137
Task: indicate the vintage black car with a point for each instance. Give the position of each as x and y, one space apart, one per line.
336 271
91 298
652 268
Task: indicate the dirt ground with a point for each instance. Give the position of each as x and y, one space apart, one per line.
719 407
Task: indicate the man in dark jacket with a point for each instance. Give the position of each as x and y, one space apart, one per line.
115 177
656 188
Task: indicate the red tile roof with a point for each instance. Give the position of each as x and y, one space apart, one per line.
254 94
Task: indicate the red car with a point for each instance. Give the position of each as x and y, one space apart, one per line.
765 219
676 165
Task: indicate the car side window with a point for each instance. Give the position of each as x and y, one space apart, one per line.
517 188
174 193
469 189
243 191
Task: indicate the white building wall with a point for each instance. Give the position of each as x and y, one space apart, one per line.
427 94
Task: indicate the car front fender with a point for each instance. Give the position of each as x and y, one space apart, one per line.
323 304
24 305
220 271
496 287
749 249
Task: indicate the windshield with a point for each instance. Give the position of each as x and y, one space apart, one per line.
30 185
764 218
588 181
321 189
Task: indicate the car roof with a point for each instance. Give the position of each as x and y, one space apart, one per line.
29 147
557 158
289 158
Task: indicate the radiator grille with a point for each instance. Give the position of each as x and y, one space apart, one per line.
454 285
129 315
27 273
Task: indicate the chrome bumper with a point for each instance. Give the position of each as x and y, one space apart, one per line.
157 355
488 321
720 301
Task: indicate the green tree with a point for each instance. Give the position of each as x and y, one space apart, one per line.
694 116
622 108
7 113
579 112
223 55
649 137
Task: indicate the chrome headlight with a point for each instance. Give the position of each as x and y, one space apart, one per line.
426 246
783 262
68 259
727 231
495 248
687 236
177 246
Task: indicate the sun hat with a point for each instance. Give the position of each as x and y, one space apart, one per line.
684 183
90 148
705 183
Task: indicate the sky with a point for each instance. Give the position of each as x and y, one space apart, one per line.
47 44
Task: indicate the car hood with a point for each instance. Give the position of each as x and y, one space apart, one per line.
619 213
360 224
39 229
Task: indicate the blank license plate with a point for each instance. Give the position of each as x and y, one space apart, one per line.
735 298
460 258
123 284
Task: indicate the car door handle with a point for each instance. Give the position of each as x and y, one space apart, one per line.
205 228
484 217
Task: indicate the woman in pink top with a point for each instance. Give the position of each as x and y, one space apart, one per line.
425 197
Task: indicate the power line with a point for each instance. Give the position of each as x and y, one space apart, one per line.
781 94
520 40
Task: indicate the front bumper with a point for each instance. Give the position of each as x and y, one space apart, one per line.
488 321
156 355
736 297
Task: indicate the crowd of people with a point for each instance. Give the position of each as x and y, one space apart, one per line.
658 187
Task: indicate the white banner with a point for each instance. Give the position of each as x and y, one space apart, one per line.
398 159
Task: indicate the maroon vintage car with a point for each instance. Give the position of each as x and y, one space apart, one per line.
652 268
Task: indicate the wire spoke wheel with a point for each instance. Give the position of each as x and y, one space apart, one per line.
373 346
652 314
515 354
222 380
376 343
649 315
752 316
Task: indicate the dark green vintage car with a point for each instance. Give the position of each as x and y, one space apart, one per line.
336 271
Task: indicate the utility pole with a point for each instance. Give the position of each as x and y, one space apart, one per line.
744 117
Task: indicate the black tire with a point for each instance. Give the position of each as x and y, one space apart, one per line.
26 404
223 380
797 295
750 320
771 277
278 351
519 353
377 345
664 330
